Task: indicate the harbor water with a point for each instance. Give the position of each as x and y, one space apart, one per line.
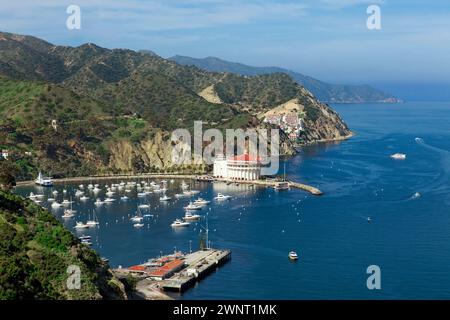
407 201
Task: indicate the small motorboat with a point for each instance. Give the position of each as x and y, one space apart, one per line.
81 225
109 200
92 223
179 223
83 237
138 225
141 194
180 195
293 255
165 198
144 206
191 206
399 156
124 198
56 205
189 216
66 202
137 219
32 196
68 214
84 198
202 202
50 199
221 196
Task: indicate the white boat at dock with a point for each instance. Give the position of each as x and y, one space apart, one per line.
282 186
84 198
109 200
124 198
144 206
43 181
138 225
98 202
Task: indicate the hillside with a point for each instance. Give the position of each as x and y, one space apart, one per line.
115 109
36 251
325 92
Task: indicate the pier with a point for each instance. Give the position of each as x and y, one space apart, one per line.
176 272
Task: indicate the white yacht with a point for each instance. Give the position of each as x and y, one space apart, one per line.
84 198
189 216
66 202
124 198
398 156
137 219
293 255
92 223
138 225
32 196
98 202
221 196
141 194
180 195
165 198
43 181
144 206
110 193
50 199
56 205
68 214
109 200
202 202
81 225
79 193
179 223
191 206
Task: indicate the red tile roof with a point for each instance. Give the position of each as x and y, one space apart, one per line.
246 157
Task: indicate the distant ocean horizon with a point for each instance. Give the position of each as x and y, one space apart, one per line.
408 203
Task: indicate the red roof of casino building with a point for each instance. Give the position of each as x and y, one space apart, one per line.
246 158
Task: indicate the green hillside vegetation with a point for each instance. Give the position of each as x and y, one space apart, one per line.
100 97
35 252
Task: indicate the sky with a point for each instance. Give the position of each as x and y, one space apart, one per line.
326 39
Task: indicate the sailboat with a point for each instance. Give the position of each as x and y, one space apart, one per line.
69 213
94 222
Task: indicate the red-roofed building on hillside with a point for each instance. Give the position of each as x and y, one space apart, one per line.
241 167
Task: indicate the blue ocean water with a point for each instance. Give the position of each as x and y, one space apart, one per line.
408 237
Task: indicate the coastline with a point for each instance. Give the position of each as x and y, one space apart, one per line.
265 183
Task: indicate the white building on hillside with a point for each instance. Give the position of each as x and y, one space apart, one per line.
242 167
